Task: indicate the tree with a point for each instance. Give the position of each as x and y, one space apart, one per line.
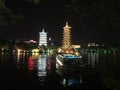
107 11
102 15
7 16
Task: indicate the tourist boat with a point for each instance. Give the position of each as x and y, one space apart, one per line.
69 61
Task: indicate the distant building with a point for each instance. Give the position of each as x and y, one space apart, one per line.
42 38
26 41
92 44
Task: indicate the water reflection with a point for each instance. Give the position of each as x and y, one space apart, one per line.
48 63
40 69
42 65
92 59
20 60
30 63
72 81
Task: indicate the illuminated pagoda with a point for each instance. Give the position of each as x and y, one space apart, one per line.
66 36
66 46
42 38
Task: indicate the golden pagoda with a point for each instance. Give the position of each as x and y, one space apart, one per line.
66 45
66 36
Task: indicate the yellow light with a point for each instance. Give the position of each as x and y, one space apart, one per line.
19 50
35 50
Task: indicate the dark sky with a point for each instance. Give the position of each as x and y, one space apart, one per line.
50 15
47 14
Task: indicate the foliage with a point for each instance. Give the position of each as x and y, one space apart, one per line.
35 1
102 17
104 12
9 17
109 70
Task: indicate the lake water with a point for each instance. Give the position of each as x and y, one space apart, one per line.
35 71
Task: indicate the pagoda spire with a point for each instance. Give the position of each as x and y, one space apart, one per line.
43 30
67 26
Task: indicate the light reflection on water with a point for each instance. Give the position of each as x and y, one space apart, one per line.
41 67
93 59
30 63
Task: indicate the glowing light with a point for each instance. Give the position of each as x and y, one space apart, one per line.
35 50
76 46
33 41
59 61
19 50
2 49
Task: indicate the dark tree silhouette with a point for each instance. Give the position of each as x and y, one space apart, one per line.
101 15
7 16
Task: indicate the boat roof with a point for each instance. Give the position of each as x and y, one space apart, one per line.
70 56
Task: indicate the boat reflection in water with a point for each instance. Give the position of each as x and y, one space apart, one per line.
69 67
70 79
72 82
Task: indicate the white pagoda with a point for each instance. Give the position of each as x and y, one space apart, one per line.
42 38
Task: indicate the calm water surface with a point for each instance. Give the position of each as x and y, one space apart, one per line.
34 71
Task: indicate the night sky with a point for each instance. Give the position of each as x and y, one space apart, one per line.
51 16
47 14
